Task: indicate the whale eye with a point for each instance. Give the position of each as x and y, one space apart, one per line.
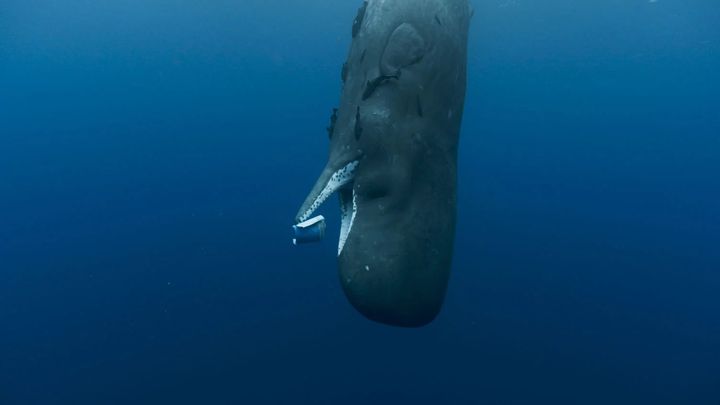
404 48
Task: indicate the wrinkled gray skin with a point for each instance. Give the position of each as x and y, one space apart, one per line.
406 73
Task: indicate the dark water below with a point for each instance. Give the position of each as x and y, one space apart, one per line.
153 154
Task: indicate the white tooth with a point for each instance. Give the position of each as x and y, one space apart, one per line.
337 181
348 218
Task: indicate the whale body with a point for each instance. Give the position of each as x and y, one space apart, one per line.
393 157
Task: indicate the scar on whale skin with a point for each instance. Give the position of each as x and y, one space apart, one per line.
373 84
358 125
333 120
397 193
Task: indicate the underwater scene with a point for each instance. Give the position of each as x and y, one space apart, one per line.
359 202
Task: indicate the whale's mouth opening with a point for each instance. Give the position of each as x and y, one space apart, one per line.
341 181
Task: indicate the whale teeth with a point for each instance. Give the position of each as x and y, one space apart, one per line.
337 181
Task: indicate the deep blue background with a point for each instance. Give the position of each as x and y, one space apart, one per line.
153 154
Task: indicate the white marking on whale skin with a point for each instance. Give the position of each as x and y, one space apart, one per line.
348 218
345 215
337 181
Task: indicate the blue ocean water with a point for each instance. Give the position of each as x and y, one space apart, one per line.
153 155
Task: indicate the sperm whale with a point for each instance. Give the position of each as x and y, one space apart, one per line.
393 157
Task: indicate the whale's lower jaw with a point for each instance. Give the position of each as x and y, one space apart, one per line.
336 181
340 181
